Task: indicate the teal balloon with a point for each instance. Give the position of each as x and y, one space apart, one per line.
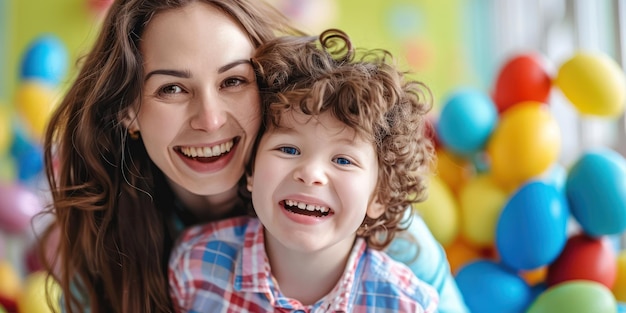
489 287
532 229
466 121
596 192
575 296
46 60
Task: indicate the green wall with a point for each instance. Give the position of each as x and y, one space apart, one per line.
426 36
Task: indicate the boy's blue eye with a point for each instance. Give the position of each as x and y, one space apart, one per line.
343 161
289 150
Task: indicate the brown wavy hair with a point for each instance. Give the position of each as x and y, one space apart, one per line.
364 90
112 207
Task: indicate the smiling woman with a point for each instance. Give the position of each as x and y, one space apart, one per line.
127 149
165 83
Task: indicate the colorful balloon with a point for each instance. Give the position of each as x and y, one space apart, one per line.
440 211
522 78
38 289
481 202
490 287
619 287
10 282
594 83
532 229
460 253
34 103
584 258
466 121
576 296
45 60
453 170
596 191
5 129
18 205
526 142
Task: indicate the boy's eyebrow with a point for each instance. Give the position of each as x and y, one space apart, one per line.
187 74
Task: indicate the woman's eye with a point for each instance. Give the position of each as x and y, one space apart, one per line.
289 150
232 82
343 161
171 89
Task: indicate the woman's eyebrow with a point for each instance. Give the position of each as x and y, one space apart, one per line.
176 73
233 64
187 74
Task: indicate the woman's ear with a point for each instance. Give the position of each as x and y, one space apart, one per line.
375 209
128 118
249 182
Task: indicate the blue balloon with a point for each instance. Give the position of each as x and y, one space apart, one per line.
490 287
45 60
27 155
532 229
596 191
466 121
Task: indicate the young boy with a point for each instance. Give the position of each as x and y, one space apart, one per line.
339 159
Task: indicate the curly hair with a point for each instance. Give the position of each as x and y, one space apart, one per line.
364 90
102 183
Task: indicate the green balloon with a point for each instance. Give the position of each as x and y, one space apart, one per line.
575 296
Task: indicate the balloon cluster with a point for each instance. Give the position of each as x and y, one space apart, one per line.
522 232
43 67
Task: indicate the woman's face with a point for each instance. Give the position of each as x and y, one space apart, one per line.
200 106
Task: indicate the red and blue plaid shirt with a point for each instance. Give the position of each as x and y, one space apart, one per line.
223 267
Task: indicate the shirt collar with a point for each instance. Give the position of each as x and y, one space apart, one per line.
253 272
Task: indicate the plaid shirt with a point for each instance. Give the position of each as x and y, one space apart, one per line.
223 267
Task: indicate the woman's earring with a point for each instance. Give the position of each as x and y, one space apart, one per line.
134 134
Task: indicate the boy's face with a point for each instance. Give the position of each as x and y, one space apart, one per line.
313 182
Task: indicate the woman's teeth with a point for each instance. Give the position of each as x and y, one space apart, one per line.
207 152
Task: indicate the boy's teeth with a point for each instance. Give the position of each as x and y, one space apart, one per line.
207 152
305 206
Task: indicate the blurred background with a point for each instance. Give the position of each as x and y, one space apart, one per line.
529 195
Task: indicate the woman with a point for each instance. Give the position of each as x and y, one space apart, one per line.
153 136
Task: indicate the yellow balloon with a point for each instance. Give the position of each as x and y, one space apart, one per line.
5 130
439 211
619 288
10 281
524 144
481 201
34 297
453 170
594 83
35 102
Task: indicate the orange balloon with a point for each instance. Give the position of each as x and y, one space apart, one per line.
535 276
460 252
619 287
454 170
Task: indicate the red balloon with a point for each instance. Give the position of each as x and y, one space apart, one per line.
585 258
522 78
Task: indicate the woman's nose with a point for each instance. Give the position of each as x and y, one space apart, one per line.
209 113
311 173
